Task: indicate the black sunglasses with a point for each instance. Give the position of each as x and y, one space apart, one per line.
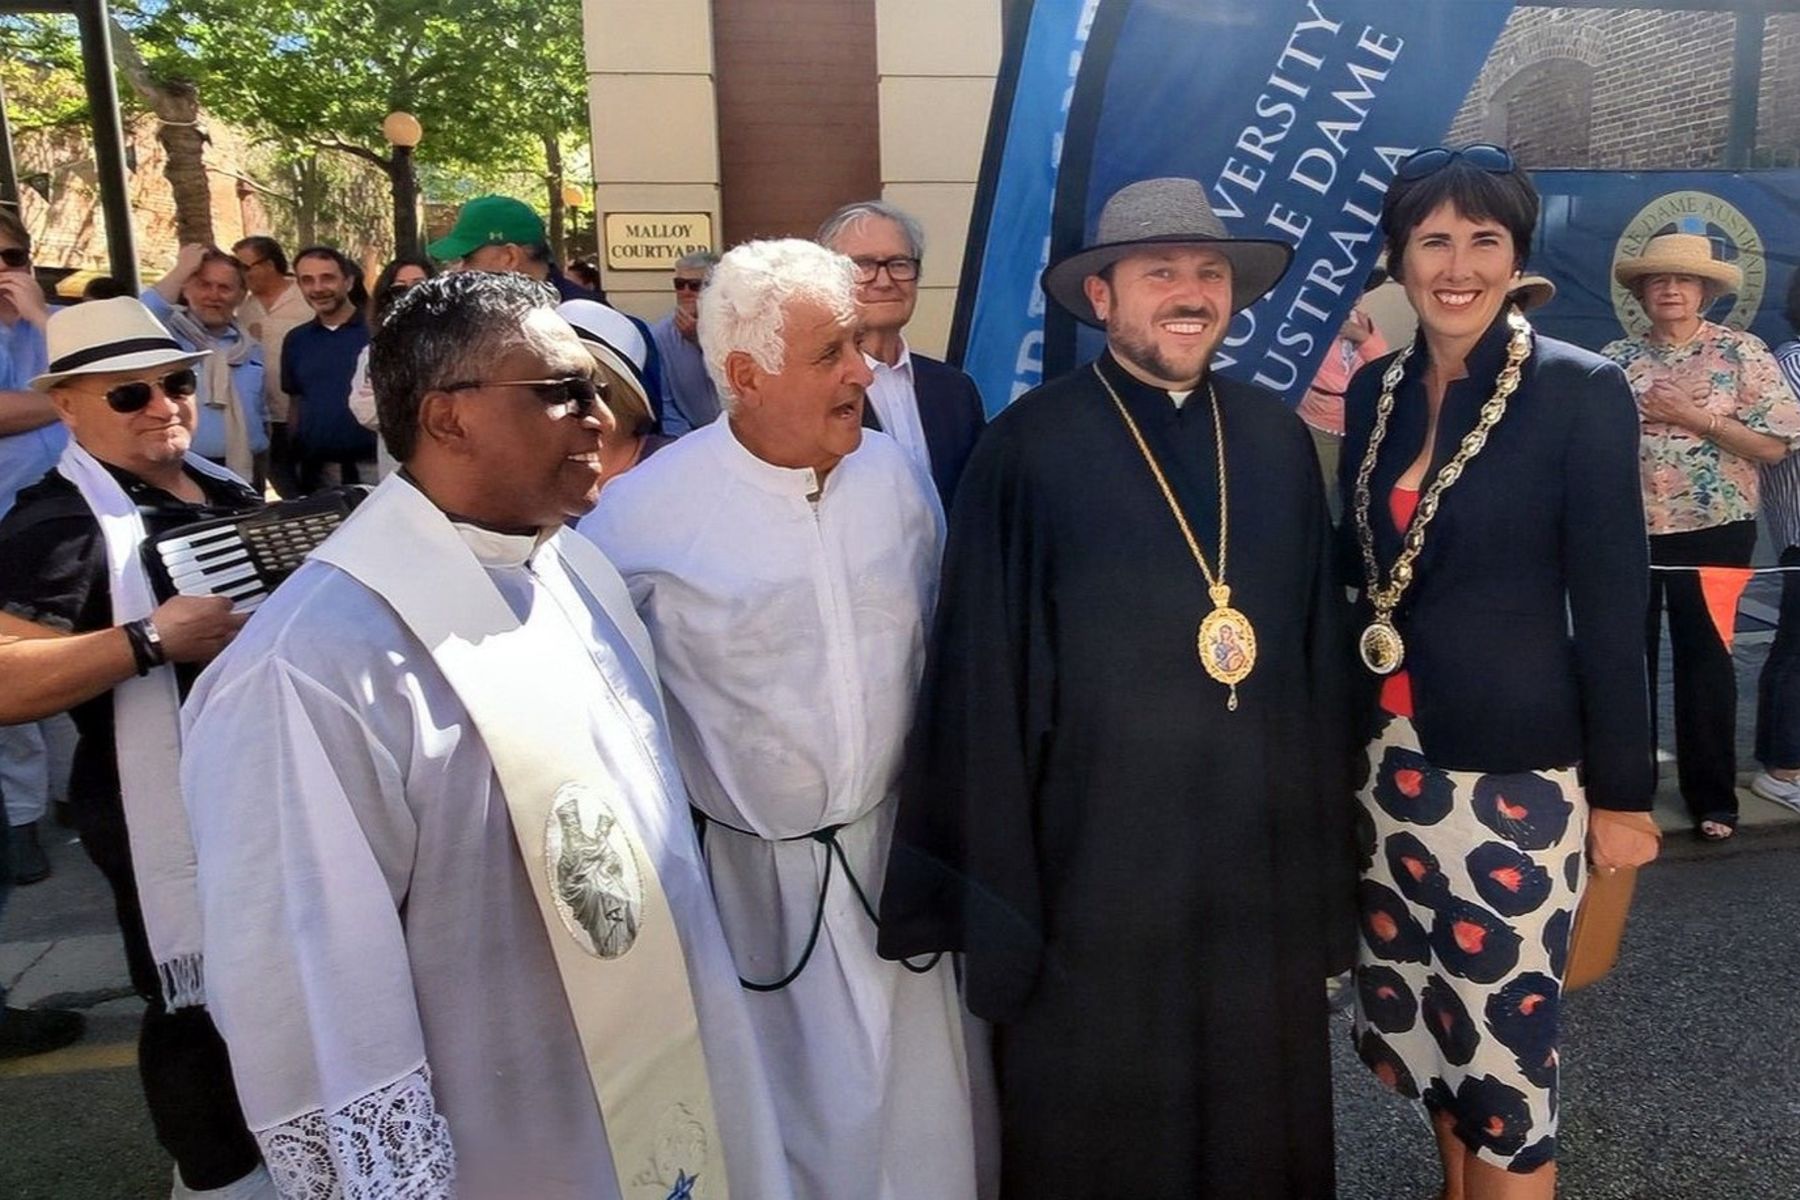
689 285
14 257
1485 156
575 391
136 395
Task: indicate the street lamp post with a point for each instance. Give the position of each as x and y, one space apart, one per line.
573 198
403 132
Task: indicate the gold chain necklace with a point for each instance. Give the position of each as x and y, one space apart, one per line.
1227 641
1380 645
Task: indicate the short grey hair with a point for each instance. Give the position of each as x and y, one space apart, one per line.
863 210
745 304
697 260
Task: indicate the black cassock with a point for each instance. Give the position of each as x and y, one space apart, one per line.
1150 890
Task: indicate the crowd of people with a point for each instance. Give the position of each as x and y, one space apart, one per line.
717 759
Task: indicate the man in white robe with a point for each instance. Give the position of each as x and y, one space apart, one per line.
785 562
378 960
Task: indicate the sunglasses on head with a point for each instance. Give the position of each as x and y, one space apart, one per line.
14 257
575 392
1484 156
136 395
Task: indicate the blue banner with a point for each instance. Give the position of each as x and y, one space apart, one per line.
1293 113
1591 219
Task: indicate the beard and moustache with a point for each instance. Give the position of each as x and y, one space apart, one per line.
1139 348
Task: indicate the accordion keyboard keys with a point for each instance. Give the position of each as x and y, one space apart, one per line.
244 558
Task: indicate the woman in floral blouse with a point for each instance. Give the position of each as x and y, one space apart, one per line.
1714 406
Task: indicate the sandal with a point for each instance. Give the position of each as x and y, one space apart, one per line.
1714 831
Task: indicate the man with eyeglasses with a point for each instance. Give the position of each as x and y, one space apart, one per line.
274 307
932 409
30 439
70 563
30 435
690 398
455 914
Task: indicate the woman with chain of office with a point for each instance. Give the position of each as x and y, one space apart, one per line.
1493 526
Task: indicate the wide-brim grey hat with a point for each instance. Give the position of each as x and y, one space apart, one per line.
1165 212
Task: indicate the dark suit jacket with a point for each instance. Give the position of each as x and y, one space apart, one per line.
951 413
1524 625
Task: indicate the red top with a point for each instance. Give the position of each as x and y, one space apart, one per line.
1396 689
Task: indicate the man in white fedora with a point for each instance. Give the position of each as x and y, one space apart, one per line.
784 559
454 907
1127 801
69 560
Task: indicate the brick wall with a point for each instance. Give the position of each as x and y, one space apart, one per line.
1660 92
1548 110
798 113
1778 108
68 228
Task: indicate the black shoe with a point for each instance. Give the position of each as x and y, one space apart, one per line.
29 863
28 1031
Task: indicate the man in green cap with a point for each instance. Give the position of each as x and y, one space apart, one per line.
498 234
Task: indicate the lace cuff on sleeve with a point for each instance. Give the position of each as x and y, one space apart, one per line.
388 1145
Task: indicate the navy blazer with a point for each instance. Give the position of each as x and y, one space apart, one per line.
1524 625
950 412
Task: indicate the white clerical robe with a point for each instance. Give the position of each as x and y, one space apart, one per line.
789 626
378 965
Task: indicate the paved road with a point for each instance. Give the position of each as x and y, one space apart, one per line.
1682 1083
1682 1070
1682 1076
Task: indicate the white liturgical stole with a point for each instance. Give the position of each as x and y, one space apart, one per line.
617 948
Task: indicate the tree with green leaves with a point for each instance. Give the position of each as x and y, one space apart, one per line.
488 86
498 89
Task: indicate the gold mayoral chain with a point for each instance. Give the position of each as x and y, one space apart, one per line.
1381 647
1227 641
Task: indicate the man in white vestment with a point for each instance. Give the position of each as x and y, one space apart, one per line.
785 561
429 987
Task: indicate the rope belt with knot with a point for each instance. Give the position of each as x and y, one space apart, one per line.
826 836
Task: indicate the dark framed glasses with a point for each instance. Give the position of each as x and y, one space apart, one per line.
689 285
900 270
1484 156
15 258
575 393
136 395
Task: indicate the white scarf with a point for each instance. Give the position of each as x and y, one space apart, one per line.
147 741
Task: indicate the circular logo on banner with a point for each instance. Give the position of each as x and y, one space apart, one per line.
1734 239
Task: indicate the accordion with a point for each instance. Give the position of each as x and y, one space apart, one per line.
244 557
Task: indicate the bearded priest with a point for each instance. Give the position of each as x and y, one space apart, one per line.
1127 801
